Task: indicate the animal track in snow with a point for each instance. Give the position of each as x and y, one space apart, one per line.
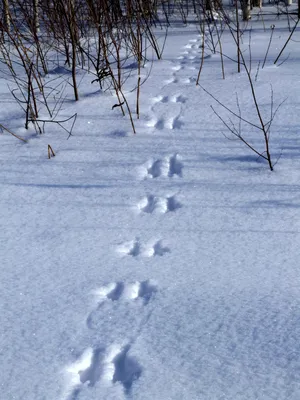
156 249
175 166
160 99
167 167
192 46
183 80
157 168
135 248
176 123
111 291
165 123
131 248
169 81
85 371
120 292
177 68
164 116
153 204
110 366
125 368
151 122
167 99
191 55
179 99
116 291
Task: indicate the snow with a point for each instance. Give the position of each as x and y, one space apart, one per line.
162 265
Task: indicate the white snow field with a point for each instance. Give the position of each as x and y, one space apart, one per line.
163 265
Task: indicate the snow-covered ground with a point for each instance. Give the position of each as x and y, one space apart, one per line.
162 265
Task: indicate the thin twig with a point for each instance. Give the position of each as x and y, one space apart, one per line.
228 109
13 134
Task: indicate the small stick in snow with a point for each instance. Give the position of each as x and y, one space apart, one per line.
117 105
50 152
3 128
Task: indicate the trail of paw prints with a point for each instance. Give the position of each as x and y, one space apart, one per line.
109 367
189 59
162 115
136 248
170 167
